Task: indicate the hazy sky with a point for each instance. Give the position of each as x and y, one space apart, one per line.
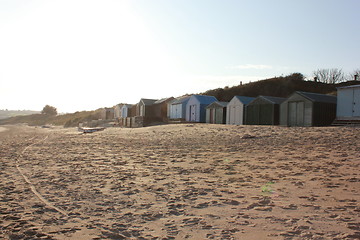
83 54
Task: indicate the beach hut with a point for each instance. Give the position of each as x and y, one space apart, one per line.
195 108
129 111
348 103
263 110
216 112
144 107
117 110
134 110
126 110
160 110
236 110
107 113
308 109
177 108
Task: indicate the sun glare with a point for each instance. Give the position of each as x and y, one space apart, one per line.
104 49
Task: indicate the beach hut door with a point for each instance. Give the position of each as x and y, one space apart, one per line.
142 110
296 113
212 115
232 115
193 113
356 103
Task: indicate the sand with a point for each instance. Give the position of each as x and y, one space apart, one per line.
2 129
186 181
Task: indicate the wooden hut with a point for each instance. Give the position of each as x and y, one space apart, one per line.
107 113
134 110
195 108
348 104
177 108
308 109
216 112
144 107
236 110
263 110
159 111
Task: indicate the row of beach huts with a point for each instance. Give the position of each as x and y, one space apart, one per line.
299 109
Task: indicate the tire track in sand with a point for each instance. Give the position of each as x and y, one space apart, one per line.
32 187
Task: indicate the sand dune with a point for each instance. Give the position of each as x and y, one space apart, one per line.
187 181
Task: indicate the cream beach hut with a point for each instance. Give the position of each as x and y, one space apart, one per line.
216 112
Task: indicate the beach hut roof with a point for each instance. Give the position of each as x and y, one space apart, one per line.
203 99
163 100
244 100
128 105
352 86
274 100
317 97
180 100
148 101
217 103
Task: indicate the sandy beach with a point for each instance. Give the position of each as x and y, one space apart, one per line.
185 181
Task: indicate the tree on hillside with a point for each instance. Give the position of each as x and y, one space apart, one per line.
331 76
49 110
295 77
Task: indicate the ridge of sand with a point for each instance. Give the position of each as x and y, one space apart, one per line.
32 187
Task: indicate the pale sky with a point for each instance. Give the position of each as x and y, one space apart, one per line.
82 54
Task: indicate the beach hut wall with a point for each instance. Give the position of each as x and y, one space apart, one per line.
236 110
107 113
195 108
160 110
348 103
177 108
308 109
126 110
134 110
144 107
263 110
117 111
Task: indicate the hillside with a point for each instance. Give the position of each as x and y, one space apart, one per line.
66 120
276 87
13 113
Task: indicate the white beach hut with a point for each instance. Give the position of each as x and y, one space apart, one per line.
235 114
348 103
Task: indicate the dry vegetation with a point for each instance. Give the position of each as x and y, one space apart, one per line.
276 87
